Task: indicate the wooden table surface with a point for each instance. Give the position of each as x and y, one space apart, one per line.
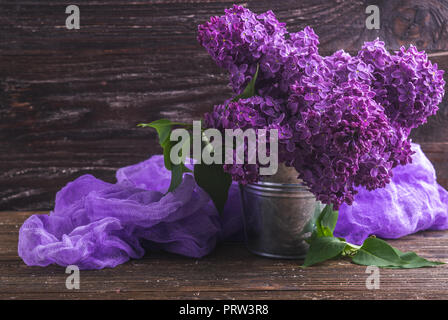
230 272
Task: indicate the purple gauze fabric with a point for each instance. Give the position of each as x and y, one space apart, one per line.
412 202
96 224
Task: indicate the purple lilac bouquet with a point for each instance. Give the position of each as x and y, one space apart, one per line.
343 121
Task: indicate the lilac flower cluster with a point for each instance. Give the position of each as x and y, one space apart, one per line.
252 113
343 121
341 141
240 40
407 84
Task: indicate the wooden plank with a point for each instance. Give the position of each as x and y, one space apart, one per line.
70 100
231 295
230 272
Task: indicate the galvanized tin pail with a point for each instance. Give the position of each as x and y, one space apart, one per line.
277 216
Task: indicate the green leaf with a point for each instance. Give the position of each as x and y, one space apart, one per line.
377 252
163 128
249 91
373 252
350 249
177 173
214 181
166 154
179 158
414 261
326 222
311 224
323 248
177 170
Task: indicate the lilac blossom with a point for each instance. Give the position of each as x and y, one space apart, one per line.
344 121
252 113
407 84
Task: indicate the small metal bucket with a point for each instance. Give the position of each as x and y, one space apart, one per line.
278 217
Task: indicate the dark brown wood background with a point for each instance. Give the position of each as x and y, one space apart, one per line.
70 99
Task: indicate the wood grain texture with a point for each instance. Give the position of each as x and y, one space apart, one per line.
70 99
230 272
